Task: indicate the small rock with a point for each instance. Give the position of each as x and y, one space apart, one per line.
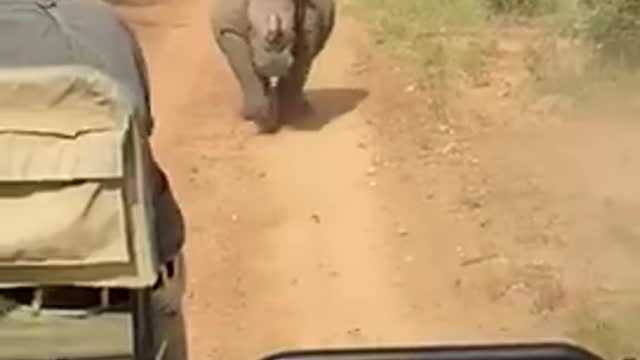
262 175
481 81
371 171
423 153
362 145
403 231
448 148
485 223
472 204
518 286
315 218
480 259
373 184
234 217
411 88
504 93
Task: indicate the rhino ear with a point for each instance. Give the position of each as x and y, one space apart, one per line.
274 27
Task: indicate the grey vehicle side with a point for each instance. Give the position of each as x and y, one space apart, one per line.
72 315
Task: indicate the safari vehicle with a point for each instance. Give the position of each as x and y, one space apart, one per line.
90 235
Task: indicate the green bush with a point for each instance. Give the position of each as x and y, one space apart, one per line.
610 27
523 7
613 26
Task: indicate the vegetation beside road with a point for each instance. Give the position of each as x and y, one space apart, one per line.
576 58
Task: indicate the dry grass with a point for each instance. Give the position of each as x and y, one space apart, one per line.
447 40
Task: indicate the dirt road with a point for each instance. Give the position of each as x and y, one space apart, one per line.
352 228
287 241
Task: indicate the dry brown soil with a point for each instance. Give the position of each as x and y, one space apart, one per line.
381 220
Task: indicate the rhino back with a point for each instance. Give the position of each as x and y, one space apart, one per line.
317 25
326 12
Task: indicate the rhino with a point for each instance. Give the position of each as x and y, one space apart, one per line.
264 39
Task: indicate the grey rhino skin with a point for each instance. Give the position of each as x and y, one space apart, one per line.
264 38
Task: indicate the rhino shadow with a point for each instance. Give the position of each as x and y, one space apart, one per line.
328 104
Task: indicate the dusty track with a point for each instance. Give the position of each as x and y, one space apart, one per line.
291 243
286 243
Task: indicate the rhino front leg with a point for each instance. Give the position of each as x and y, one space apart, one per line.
317 28
256 104
293 102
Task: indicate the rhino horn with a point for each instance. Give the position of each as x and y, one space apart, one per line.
274 27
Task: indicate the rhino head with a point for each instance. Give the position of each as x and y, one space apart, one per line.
272 35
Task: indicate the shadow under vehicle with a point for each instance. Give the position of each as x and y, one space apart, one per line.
90 234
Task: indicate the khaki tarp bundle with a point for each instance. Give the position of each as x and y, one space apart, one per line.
61 175
74 118
71 183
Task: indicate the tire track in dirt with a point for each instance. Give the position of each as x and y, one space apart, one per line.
315 270
327 269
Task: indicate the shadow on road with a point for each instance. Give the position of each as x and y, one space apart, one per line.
328 104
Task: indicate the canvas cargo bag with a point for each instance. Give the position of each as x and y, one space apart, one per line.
74 208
